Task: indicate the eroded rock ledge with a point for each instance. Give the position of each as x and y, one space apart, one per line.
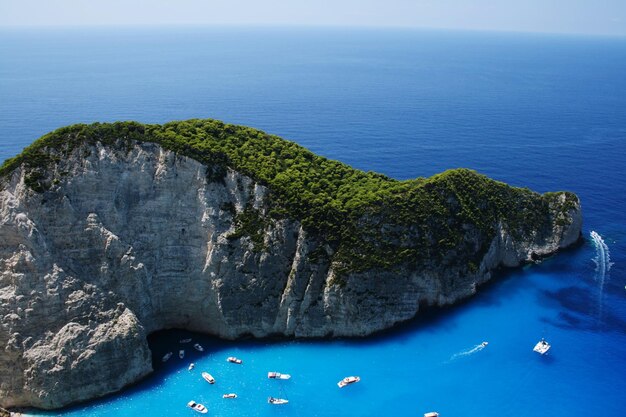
128 240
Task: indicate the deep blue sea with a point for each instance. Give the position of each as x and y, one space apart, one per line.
543 111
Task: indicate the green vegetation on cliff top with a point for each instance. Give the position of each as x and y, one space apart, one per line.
370 220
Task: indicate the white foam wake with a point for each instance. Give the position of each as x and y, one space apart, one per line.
603 266
468 352
603 256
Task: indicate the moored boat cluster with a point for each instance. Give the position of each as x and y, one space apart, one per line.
541 347
200 408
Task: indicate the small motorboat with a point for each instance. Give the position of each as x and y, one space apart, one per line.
542 347
431 414
191 366
484 344
197 407
272 400
167 356
232 359
198 347
185 340
231 395
277 375
208 377
348 380
181 353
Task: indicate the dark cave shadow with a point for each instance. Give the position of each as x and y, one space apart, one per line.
160 342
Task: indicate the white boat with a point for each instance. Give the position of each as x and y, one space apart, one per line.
197 407
231 395
484 344
181 353
185 340
431 414
198 347
542 347
232 359
167 356
273 400
191 366
277 375
348 380
208 377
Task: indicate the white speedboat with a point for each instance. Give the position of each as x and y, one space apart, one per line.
167 356
431 414
197 407
348 380
181 353
232 359
191 366
198 347
185 340
542 347
277 375
208 377
273 400
231 395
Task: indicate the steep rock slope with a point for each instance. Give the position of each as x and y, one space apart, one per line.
106 238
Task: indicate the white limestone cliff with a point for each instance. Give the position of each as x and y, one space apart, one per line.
131 241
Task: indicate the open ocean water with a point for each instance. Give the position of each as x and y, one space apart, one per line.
542 111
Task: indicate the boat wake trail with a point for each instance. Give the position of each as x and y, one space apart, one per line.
603 256
603 266
468 352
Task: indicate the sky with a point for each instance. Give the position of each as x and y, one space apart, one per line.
594 17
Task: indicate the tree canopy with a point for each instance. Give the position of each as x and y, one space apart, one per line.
369 219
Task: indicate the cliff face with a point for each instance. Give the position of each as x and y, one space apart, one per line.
129 241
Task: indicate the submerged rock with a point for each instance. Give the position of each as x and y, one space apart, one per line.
107 235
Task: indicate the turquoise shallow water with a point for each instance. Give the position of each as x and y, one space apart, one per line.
545 112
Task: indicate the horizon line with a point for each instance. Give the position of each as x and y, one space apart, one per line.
303 26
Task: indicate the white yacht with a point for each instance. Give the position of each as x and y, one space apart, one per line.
348 380
232 359
542 347
198 347
277 375
272 400
231 395
191 366
167 356
197 407
181 353
208 377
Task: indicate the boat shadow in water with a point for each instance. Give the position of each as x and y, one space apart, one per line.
547 359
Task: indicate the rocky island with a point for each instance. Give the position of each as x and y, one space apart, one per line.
109 232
